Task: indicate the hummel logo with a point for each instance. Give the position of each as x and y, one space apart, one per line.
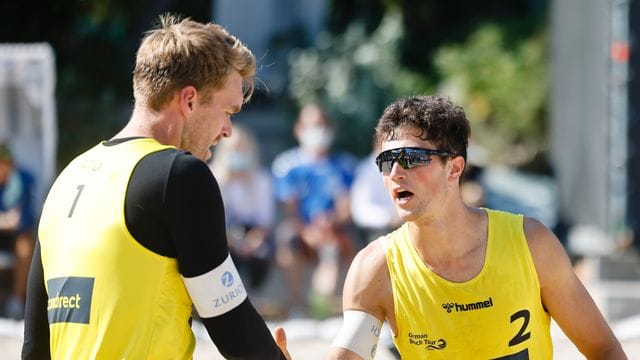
468 307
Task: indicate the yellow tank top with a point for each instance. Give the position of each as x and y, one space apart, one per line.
109 297
496 315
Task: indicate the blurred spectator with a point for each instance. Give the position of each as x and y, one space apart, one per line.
249 204
17 220
371 208
471 188
312 185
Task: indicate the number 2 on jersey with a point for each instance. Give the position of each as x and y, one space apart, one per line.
75 201
521 336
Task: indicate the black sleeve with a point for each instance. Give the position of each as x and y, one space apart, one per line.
194 216
173 207
36 324
242 334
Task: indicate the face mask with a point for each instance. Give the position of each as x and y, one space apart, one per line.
239 161
316 138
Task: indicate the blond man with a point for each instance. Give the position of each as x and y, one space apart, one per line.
132 233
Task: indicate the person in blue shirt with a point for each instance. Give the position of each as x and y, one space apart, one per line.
312 186
17 221
249 204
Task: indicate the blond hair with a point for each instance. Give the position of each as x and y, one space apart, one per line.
182 52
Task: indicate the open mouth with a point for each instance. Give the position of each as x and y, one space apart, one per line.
403 194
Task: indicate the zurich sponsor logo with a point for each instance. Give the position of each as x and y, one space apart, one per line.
227 279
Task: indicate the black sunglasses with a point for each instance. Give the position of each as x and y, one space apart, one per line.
407 157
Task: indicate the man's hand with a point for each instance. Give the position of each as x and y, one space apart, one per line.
281 340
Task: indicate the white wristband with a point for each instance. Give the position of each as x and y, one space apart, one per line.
217 291
359 333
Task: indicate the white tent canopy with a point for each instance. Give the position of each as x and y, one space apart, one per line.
27 109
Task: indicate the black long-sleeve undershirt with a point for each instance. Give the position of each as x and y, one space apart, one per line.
36 324
174 208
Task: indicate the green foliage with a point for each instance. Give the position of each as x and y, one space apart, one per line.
94 43
354 76
503 87
498 74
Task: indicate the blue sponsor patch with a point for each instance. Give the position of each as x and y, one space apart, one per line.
69 299
227 279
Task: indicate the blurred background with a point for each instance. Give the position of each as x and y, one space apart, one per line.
551 89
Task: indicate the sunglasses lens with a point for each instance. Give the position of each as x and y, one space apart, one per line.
404 161
385 166
408 158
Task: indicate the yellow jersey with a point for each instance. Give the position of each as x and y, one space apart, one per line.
496 315
109 297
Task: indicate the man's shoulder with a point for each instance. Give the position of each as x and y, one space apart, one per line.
172 157
187 167
372 258
539 236
368 284
174 166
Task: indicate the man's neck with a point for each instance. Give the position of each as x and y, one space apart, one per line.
453 245
164 126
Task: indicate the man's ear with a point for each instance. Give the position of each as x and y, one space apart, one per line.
188 96
457 167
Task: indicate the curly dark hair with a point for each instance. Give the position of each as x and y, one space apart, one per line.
436 119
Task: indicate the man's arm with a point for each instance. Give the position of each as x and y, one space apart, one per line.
566 299
366 301
197 226
36 324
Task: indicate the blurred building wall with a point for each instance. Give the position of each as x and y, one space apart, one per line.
579 68
633 213
590 112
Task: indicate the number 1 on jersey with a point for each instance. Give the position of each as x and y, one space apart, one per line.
75 201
